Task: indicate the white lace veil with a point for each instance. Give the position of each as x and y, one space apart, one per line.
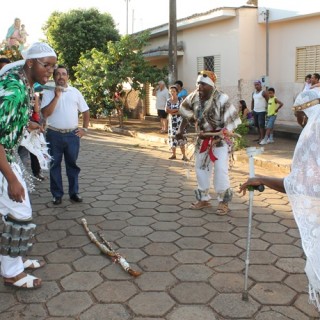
303 189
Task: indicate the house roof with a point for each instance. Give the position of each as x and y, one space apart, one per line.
198 19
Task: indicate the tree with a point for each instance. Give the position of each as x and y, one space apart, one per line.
77 31
102 76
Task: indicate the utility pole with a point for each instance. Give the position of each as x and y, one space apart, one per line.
173 73
127 16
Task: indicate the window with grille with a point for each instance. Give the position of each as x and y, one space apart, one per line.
307 61
211 63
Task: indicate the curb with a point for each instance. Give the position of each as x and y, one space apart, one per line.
239 156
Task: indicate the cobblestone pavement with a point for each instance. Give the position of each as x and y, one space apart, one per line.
192 262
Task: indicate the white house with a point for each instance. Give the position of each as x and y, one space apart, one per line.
242 44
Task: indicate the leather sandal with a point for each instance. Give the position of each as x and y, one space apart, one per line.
222 208
26 282
200 205
172 158
30 264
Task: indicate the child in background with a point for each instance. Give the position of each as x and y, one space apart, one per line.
273 107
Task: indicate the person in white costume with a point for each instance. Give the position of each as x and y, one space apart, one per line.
302 185
16 96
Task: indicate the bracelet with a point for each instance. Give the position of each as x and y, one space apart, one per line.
85 129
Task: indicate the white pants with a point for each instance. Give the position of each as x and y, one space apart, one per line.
10 267
221 173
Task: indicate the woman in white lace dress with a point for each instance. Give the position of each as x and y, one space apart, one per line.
302 186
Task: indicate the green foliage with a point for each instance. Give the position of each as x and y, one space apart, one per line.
242 129
101 75
76 31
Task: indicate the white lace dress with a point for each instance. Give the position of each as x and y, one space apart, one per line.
303 190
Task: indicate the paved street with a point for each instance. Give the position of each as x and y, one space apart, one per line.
192 262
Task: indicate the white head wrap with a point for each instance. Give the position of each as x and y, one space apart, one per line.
36 50
205 79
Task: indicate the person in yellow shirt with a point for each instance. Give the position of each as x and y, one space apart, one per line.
274 105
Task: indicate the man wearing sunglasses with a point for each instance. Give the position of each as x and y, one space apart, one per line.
212 112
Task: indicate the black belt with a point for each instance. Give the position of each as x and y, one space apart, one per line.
61 130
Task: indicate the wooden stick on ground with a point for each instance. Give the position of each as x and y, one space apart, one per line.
107 249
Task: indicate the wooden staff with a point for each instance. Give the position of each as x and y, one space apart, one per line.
209 134
107 249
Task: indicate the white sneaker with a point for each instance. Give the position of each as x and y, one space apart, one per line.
270 141
263 142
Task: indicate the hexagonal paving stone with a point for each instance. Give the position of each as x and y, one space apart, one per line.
106 311
260 257
20 311
91 263
155 281
137 231
81 281
218 226
188 222
302 303
229 282
192 272
192 313
221 237
226 264
192 256
114 291
193 292
192 231
151 303
266 273
158 263
167 217
143 212
192 243
43 248
166 226
272 227
298 282
53 271
115 272
48 290
132 255
68 304
51 236
291 265
132 242
286 251
232 306
272 293
281 313
7 301
164 236
161 249
64 255
112 225
141 221
74 241
224 250
255 244
168 208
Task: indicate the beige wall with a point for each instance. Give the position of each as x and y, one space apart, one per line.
285 37
241 43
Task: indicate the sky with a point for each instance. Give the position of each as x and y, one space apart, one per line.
142 14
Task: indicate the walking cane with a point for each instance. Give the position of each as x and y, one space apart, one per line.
251 152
